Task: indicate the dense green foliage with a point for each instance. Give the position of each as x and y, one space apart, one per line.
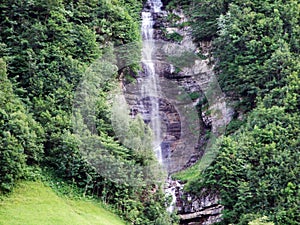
257 169
20 138
256 55
204 16
255 44
49 47
257 48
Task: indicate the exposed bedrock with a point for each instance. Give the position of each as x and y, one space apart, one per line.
191 105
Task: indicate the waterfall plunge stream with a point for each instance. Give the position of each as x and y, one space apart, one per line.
150 87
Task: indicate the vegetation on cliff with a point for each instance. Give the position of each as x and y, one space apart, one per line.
256 54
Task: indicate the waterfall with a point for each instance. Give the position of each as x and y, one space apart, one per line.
150 88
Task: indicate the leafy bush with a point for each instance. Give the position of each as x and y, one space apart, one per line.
204 18
233 126
253 51
194 95
20 135
174 37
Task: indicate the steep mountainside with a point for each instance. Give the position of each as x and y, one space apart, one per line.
211 85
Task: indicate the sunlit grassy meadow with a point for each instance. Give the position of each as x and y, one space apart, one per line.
32 203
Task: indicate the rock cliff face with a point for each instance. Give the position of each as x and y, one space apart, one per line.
214 114
188 88
200 209
180 121
194 74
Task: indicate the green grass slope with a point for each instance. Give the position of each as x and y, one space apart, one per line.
32 203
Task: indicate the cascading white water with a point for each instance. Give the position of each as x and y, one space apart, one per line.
151 88
156 5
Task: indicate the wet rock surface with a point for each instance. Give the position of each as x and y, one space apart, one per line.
200 209
183 139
